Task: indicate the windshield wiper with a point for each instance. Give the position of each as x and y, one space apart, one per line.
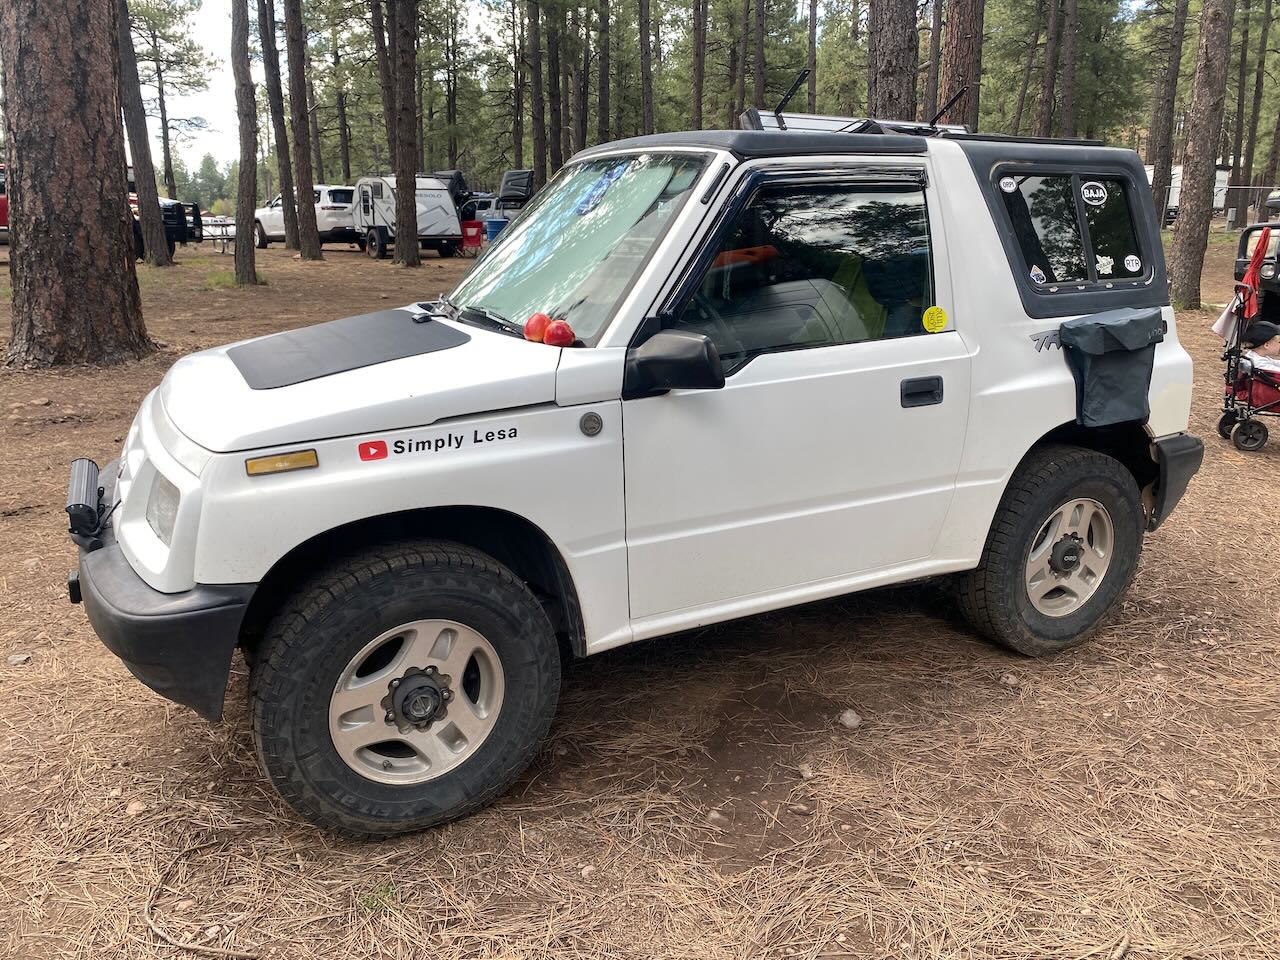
484 317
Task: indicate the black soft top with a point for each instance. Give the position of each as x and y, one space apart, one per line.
747 144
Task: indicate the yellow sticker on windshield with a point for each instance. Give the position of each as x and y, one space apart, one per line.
935 320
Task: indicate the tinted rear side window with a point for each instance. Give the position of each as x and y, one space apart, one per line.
1072 229
341 196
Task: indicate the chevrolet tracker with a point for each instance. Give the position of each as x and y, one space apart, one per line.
703 375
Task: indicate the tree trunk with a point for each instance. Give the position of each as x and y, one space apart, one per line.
935 56
744 45
296 46
699 41
74 289
962 60
1070 25
313 113
1163 97
150 218
1052 41
813 56
583 87
344 135
566 92
406 42
1237 141
759 66
549 9
386 82
1027 67
893 57
517 87
166 142
1273 167
275 99
646 69
1251 140
535 94
732 62
1204 120
247 115
602 88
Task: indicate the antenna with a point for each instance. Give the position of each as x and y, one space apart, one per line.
948 105
786 98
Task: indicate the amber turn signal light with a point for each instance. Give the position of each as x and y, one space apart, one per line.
281 463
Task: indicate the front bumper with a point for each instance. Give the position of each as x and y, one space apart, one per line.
178 644
1178 458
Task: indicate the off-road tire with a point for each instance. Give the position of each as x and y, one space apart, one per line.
375 245
323 625
993 597
263 242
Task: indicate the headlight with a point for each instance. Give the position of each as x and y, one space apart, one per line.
162 508
1268 271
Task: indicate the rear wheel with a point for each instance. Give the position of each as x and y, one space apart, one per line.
1249 435
375 245
1063 547
447 249
407 686
1225 423
263 242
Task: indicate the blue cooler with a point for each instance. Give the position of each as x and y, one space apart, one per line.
494 227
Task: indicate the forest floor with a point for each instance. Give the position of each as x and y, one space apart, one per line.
698 797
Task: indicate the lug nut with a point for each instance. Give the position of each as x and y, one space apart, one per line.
447 694
390 716
431 670
394 684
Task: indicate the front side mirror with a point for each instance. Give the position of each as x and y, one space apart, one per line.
672 360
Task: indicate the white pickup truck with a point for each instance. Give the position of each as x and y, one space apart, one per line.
704 375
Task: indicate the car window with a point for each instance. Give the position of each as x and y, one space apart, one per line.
341 196
1057 246
377 189
815 267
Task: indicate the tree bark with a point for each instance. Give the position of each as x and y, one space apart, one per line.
1163 97
583 87
1052 42
935 56
566 92
1273 166
275 100
313 113
1251 140
554 106
150 218
813 56
74 288
517 87
538 112
296 45
893 58
1204 120
646 68
744 45
247 115
406 248
386 81
602 88
962 59
759 65
1237 141
166 141
1027 67
1070 26
699 40
340 107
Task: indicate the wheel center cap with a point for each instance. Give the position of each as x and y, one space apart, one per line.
1067 554
418 700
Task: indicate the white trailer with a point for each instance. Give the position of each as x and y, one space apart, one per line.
439 228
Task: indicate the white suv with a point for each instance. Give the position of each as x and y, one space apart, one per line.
759 368
334 217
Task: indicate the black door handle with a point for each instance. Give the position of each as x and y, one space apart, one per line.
921 391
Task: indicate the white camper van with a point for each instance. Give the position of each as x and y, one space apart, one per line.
375 215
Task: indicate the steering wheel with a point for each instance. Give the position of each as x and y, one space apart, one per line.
723 331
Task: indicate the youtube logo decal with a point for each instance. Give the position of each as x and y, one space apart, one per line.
373 450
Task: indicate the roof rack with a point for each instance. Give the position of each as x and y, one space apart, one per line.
755 119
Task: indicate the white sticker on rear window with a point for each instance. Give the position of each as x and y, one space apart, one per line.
1008 184
1037 275
1132 263
1093 193
1105 265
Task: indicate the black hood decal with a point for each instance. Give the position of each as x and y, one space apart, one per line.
324 349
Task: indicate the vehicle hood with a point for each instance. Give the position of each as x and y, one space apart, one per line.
373 373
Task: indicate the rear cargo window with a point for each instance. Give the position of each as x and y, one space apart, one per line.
1072 228
341 196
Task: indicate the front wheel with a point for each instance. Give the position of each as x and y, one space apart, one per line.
1063 547
263 242
447 249
408 686
1249 435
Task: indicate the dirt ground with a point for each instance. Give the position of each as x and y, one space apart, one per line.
699 798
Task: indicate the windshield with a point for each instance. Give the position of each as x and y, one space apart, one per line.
574 252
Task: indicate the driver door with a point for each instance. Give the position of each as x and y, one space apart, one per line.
831 452
273 218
